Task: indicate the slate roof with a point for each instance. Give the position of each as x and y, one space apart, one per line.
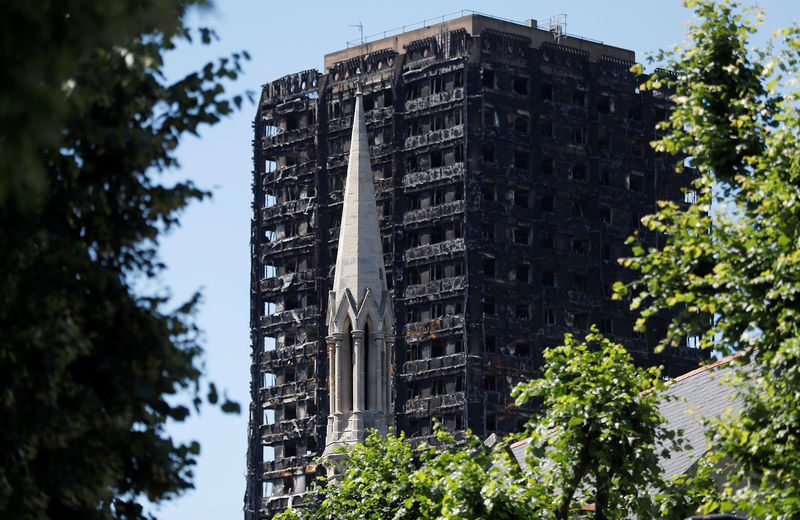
701 393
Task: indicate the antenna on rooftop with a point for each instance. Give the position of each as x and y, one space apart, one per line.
361 57
360 29
558 26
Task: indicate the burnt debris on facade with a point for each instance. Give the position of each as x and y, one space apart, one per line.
509 168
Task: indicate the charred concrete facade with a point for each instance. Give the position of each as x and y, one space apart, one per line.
509 166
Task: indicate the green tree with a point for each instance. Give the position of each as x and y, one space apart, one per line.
86 364
385 478
730 269
373 481
470 481
40 43
596 442
599 436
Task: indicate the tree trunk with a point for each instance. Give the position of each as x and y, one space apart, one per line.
602 481
562 513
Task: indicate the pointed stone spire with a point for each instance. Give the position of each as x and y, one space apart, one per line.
360 313
359 258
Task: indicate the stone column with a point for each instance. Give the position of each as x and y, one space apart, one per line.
340 372
377 373
329 340
387 367
331 374
358 370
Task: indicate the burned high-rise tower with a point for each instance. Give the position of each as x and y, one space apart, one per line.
510 163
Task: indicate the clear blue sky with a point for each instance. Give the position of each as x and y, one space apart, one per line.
210 251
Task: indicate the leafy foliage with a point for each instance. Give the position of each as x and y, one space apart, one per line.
87 365
385 479
470 482
599 436
597 441
40 44
375 481
731 264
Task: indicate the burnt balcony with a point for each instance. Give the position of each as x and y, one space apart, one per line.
425 368
441 288
510 362
286 430
434 213
275 469
287 244
424 329
271 360
281 211
440 98
302 315
435 176
301 280
424 406
445 249
289 137
296 390
378 115
434 137
382 185
417 440
290 173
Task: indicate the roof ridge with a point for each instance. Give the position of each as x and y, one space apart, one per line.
726 359
682 377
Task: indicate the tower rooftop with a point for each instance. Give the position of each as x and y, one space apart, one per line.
475 24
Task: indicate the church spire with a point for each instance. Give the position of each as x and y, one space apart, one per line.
360 314
359 257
